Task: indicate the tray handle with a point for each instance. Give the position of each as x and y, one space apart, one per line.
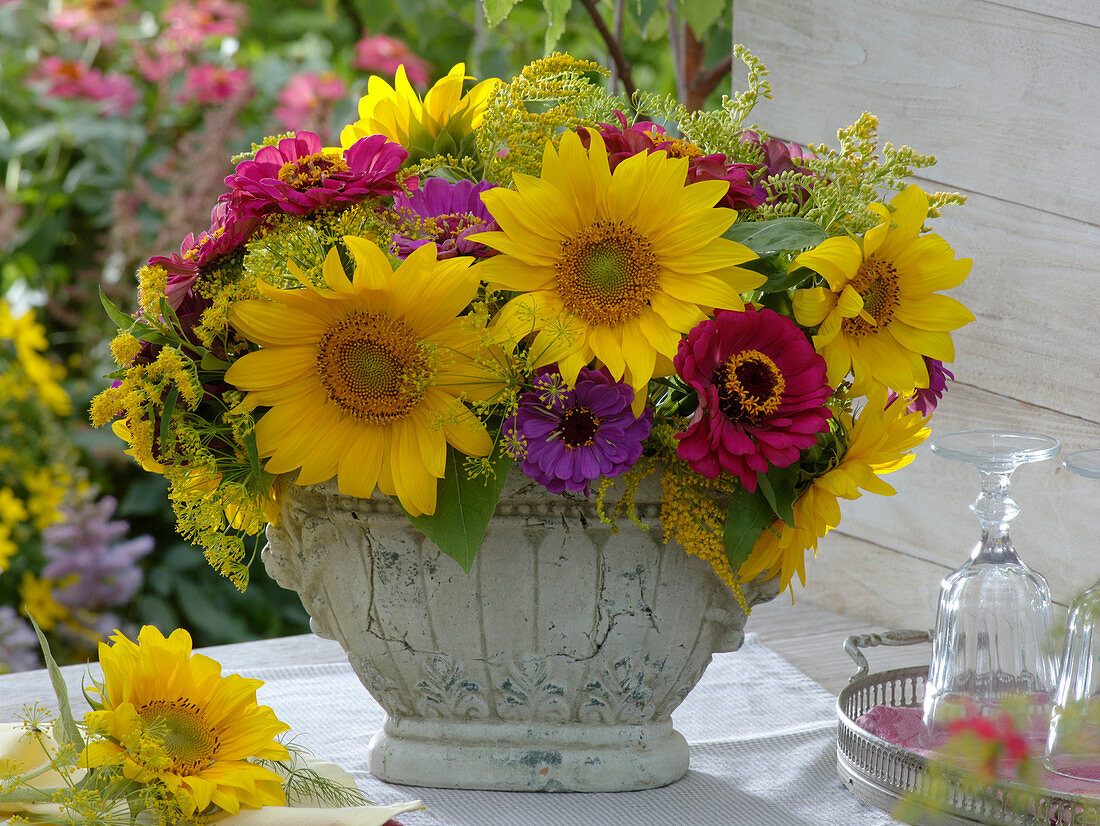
857 641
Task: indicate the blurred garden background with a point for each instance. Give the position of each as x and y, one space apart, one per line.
118 121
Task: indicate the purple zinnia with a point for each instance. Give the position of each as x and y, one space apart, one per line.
444 213
572 437
925 399
299 176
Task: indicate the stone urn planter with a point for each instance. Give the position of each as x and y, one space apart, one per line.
554 665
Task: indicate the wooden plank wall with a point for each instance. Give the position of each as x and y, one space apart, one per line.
1006 93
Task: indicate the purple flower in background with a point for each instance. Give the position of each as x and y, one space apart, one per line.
444 213
570 437
84 547
925 399
18 643
299 176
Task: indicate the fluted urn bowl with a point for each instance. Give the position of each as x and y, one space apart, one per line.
554 665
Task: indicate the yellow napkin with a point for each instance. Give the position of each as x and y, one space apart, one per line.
25 753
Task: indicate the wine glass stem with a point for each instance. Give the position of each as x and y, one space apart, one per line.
995 509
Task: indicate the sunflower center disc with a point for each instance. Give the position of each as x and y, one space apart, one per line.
310 171
877 283
750 386
578 427
189 742
606 273
373 367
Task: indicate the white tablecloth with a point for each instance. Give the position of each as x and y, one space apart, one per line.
762 736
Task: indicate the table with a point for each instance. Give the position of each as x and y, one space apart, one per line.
748 764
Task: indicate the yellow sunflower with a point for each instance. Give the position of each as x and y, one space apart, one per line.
170 716
880 311
881 441
612 266
363 379
401 115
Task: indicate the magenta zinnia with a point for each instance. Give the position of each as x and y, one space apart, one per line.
299 176
228 233
570 437
444 213
761 390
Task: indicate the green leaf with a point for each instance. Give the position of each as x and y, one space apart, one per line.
701 14
749 514
464 507
120 319
65 730
213 363
147 332
556 12
497 10
643 12
778 487
763 237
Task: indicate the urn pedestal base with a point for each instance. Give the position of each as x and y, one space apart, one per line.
517 757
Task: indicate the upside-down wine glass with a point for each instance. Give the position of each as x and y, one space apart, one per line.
1073 745
992 637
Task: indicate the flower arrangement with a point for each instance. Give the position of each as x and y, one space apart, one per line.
521 278
169 740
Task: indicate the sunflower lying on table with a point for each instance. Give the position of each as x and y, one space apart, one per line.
169 741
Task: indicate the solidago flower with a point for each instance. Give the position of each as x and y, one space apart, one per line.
363 379
168 715
880 312
881 440
400 114
614 266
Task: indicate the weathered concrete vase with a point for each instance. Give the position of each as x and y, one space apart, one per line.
552 666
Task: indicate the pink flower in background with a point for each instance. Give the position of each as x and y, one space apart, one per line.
190 22
73 79
382 54
159 62
307 98
207 83
92 20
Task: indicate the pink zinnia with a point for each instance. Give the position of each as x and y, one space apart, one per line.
298 176
92 20
381 55
622 141
227 234
761 390
73 79
210 84
188 23
306 95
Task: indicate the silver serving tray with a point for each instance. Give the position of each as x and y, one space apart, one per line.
882 773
